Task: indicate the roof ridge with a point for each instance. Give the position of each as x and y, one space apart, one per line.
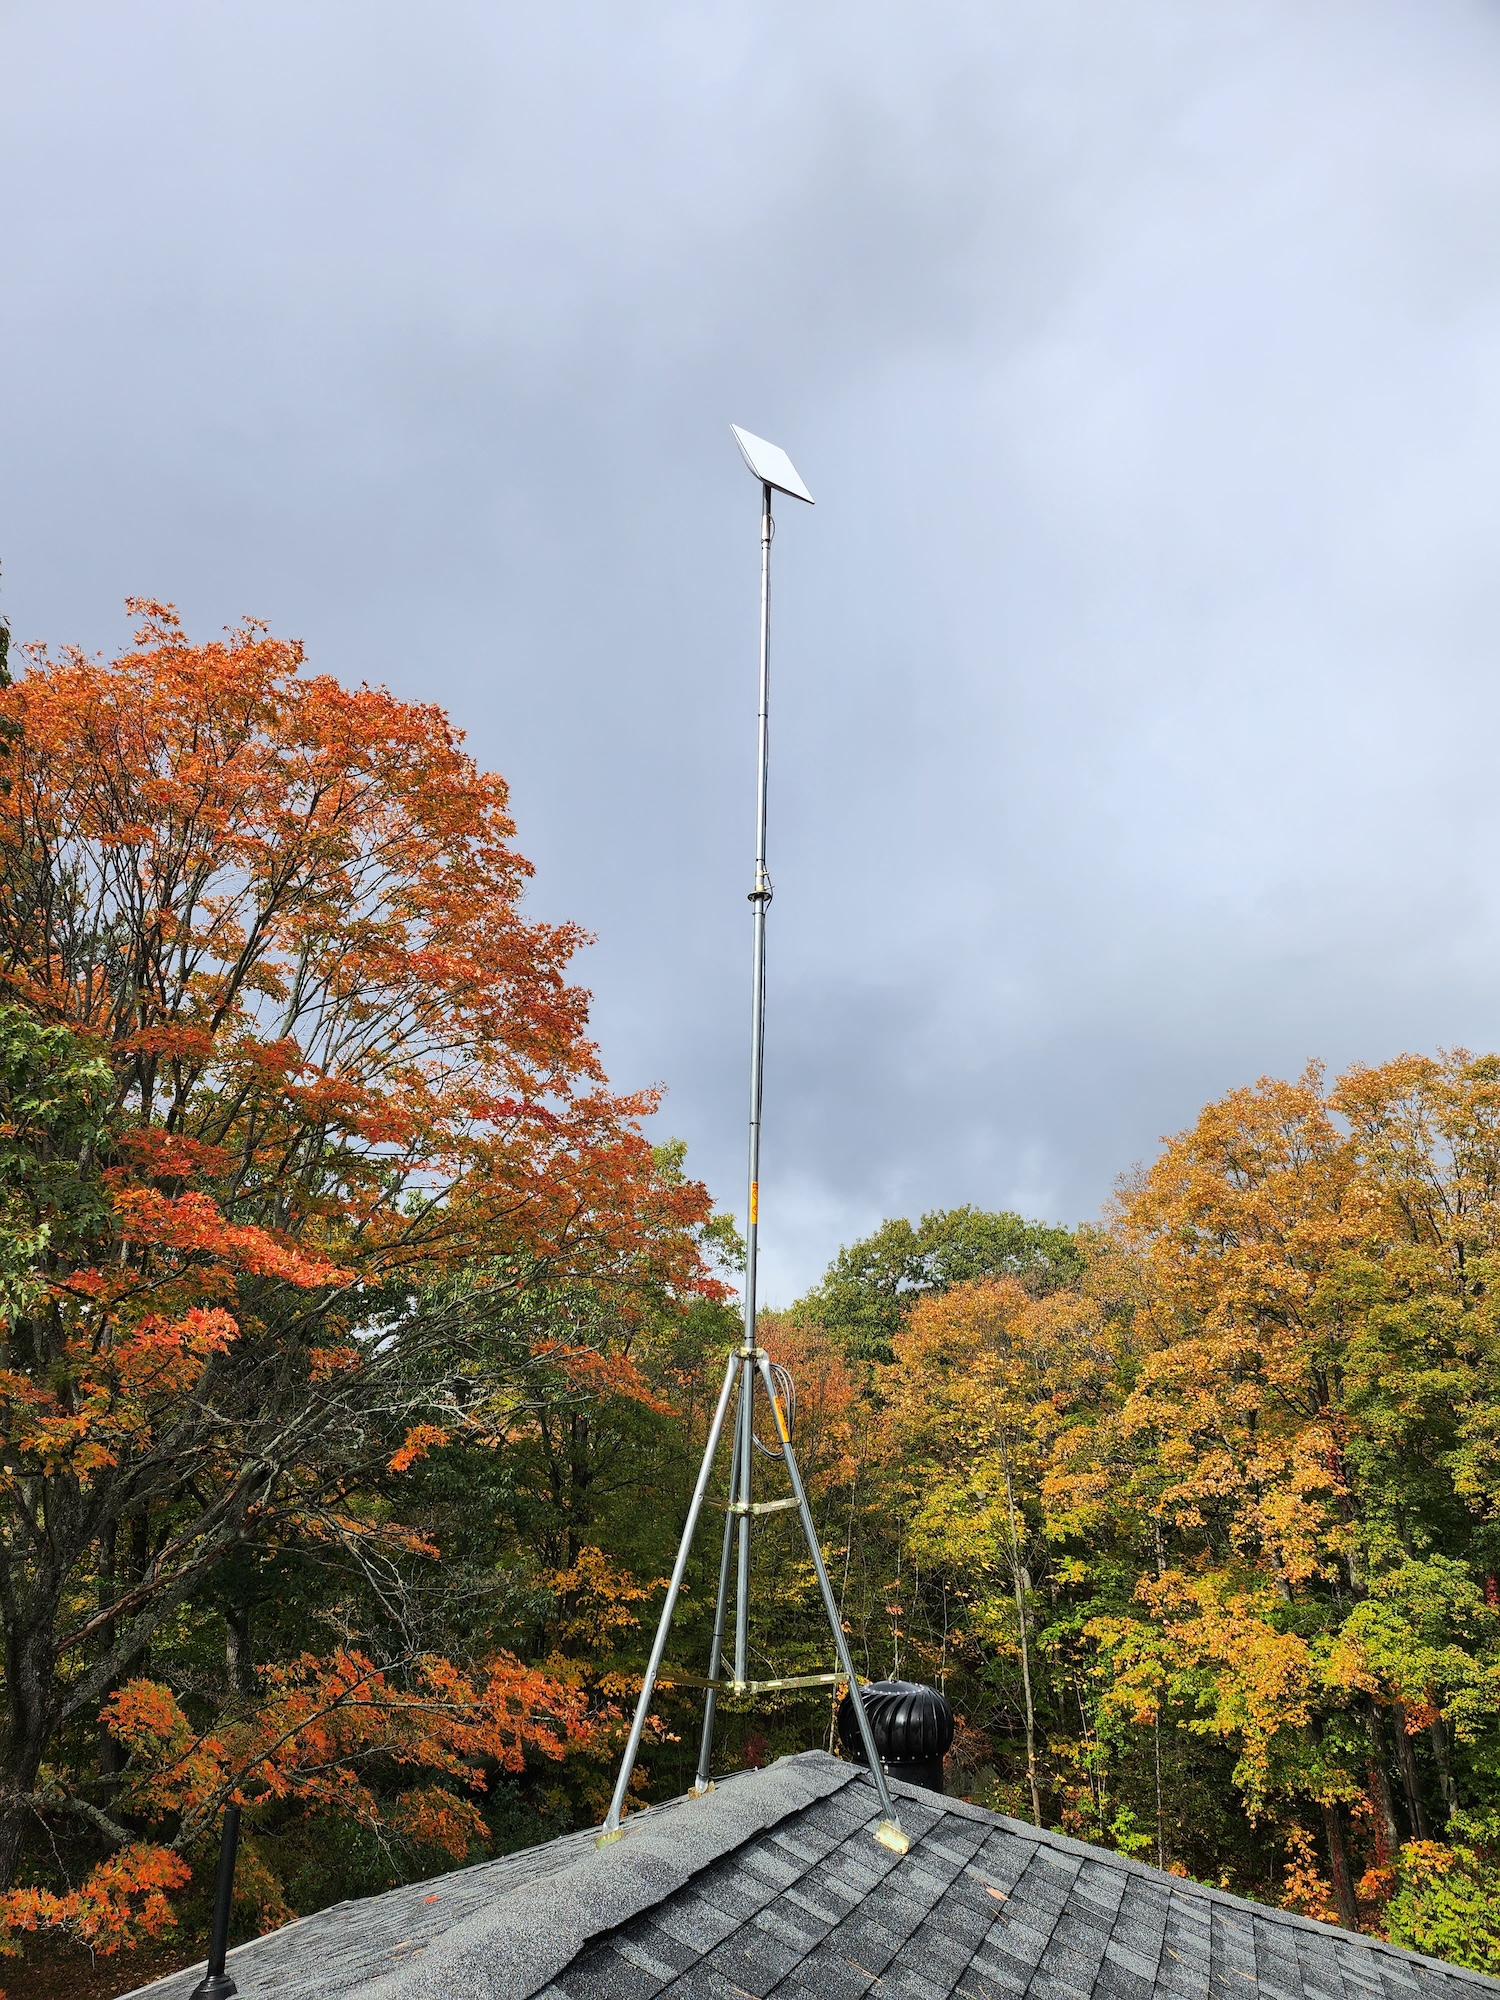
549 1920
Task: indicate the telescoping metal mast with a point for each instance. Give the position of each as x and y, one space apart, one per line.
749 1366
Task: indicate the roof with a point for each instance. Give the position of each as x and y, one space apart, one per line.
772 1884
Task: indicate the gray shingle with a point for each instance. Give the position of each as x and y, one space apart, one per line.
603 1974
695 1921
773 1885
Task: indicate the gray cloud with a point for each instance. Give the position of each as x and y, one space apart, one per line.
1135 691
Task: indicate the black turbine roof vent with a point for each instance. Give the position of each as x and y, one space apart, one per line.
912 1726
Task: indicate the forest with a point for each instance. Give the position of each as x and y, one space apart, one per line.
359 1350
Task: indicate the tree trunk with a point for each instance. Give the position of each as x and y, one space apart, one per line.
1338 1856
30 1721
112 1753
1439 1737
1407 1759
1380 1780
1016 1576
580 1479
1161 1843
239 1667
13 1822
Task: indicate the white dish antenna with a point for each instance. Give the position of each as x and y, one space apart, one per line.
770 464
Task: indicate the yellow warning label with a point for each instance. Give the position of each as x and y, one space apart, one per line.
754 1203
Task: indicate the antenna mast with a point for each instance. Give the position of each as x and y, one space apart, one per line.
749 1364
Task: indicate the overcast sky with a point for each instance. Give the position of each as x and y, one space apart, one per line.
1135 704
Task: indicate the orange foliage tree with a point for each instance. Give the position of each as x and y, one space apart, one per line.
983 1379
1218 1523
297 1102
1306 1432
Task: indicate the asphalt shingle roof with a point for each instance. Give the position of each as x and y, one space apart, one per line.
773 1885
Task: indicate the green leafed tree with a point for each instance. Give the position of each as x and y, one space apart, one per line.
872 1285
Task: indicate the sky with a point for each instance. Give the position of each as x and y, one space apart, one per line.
1135 704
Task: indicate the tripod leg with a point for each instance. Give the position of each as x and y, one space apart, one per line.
716 1653
889 1833
742 1494
658 1647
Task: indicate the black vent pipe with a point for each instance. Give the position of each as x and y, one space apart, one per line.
216 1983
912 1726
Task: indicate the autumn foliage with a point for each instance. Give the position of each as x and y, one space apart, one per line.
291 915
1204 1542
358 1351
300 1131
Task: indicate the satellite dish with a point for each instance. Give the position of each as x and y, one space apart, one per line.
770 464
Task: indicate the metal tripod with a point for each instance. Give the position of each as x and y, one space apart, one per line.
749 1365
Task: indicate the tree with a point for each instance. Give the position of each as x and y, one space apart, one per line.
298 1104
983 1377
1219 1518
1308 1425
872 1284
